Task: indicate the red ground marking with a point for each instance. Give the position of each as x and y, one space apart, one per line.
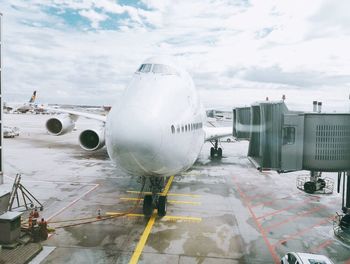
249 189
284 209
258 196
321 246
283 198
347 262
301 232
269 202
261 230
263 203
289 219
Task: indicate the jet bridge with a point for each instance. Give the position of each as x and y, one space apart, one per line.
285 141
241 123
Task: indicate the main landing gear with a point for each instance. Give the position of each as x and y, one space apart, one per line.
156 199
215 152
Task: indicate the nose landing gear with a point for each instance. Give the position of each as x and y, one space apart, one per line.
215 151
157 199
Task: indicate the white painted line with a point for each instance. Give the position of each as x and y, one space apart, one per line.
42 255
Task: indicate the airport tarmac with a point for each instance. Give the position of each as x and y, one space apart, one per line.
219 211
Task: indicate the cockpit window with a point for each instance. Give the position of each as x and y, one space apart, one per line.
145 68
163 69
157 68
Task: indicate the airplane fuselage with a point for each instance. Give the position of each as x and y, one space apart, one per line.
155 129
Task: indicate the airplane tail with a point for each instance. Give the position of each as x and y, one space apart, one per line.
32 99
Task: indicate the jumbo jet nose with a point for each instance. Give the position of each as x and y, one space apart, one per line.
135 140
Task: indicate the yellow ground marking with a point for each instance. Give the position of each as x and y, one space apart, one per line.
183 202
186 218
169 201
170 194
167 186
165 218
139 248
131 215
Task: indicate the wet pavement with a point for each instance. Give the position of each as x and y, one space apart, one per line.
219 212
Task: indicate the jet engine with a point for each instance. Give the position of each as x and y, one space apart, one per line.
92 139
60 125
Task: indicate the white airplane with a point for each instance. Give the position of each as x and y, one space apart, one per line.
156 129
21 107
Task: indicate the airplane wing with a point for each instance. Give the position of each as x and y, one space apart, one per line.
212 133
76 114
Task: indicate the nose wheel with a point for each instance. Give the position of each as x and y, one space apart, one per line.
147 205
162 205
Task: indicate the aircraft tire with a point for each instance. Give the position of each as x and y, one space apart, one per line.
310 187
220 152
162 205
345 223
147 205
212 152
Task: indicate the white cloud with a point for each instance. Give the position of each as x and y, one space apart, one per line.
161 5
93 16
220 42
110 6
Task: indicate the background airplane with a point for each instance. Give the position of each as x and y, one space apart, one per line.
21 107
156 129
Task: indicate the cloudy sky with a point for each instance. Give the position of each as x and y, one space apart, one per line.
237 51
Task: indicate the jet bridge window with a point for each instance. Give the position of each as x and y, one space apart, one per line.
172 129
288 135
145 68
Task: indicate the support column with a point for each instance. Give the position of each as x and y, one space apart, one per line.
346 194
1 106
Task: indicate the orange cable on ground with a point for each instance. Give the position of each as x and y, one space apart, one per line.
99 218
